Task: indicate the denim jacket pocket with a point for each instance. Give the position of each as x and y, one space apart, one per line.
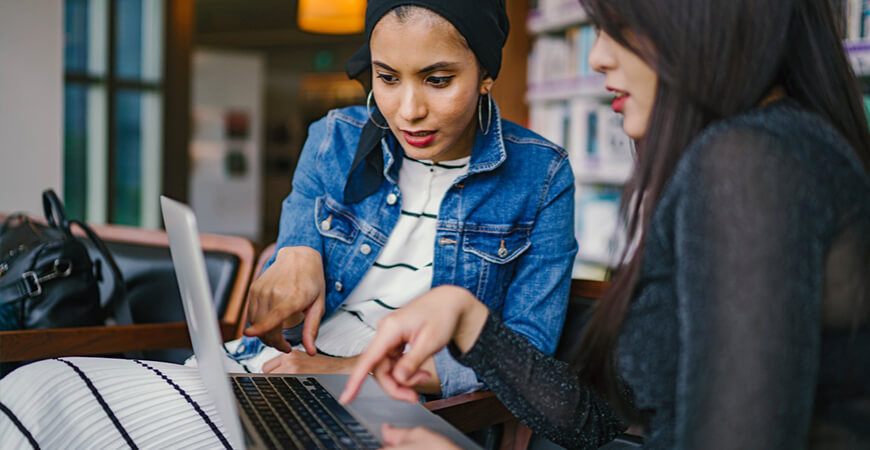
490 255
499 244
333 221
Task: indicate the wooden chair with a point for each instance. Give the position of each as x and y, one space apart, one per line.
145 262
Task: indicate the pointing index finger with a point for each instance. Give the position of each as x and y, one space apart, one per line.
377 351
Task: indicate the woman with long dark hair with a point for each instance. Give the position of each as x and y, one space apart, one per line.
738 318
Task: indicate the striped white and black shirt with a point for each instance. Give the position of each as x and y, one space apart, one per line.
403 269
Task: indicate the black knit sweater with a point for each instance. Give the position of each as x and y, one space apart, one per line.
750 328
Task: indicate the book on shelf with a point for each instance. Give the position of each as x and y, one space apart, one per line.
591 133
854 18
596 222
600 151
561 57
554 15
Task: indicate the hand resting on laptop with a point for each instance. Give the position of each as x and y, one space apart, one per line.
290 290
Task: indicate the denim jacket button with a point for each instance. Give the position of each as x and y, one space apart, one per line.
502 252
325 225
365 249
338 286
391 199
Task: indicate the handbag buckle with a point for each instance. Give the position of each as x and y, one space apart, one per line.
62 268
31 284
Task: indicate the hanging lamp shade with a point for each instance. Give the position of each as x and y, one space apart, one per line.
332 16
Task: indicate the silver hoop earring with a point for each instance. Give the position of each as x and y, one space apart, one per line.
369 109
483 130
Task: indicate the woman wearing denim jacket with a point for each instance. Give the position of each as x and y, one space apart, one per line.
502 223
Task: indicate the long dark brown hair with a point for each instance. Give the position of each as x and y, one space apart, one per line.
714 59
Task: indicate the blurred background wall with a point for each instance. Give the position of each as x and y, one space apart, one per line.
31 102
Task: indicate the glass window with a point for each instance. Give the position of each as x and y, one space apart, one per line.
128 139
128 47
75 143
113 115
85 37
139 40
76 35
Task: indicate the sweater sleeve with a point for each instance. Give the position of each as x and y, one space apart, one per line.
543 392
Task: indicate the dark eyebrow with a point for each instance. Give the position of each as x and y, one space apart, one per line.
378 63
427 69
436 66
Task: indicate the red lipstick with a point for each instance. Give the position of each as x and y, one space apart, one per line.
619 103
419 138
619 100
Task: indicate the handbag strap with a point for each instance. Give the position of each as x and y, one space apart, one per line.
54 211
118 301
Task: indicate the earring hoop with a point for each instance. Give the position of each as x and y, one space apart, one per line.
369 109
483 130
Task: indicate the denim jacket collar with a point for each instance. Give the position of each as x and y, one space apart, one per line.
367 171
488 151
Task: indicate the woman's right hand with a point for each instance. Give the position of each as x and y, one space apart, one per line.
292 289
425 326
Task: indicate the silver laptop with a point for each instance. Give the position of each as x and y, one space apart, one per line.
278 411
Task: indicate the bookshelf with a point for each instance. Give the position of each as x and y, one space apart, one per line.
568 105
550 17
585 86
859 55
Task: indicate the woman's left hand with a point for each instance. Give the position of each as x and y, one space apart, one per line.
413 438
301 362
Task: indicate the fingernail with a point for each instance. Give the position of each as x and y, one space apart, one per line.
401 374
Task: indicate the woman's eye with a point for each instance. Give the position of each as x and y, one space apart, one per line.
440 81
387 78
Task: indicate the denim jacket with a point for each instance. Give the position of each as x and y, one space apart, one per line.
505 230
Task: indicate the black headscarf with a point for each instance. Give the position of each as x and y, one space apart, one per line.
483 23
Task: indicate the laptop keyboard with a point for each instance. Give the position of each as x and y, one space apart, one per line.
296 412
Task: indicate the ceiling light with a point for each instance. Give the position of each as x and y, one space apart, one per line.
332 16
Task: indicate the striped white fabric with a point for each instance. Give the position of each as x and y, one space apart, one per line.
403 269
82 403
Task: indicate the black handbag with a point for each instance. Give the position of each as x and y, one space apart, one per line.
48 279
